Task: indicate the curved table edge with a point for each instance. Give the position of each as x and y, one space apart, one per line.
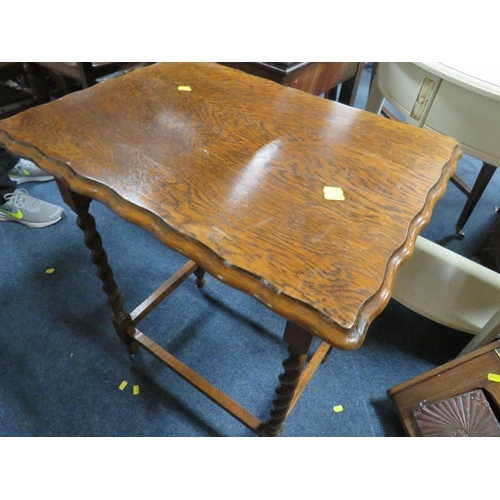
288 307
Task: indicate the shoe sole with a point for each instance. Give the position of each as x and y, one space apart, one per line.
22 180
7 218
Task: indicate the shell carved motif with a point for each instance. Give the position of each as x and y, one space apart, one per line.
467 415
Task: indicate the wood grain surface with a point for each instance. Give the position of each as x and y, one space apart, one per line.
231 175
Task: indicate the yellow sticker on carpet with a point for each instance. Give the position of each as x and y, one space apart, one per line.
338 408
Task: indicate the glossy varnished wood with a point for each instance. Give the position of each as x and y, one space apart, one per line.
231 175
314 77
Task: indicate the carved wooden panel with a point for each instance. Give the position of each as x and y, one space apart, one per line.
423 98
467 415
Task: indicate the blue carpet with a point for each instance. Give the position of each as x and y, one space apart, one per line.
61 363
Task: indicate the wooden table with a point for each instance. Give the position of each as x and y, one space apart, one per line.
229 170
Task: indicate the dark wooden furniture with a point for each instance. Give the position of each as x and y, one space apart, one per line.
237 186
314 77
66 74
454 399
10 70
15 94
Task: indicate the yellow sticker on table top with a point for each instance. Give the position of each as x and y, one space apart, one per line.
335 197
184 88
338 408
494 377
332 189
333 193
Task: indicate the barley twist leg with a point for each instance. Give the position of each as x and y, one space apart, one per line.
86 222
299 342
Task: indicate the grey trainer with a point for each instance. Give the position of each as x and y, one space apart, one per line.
27 171
23 208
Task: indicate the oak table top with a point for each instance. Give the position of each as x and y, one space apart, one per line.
228 169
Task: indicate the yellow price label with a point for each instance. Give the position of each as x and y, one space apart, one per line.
333 193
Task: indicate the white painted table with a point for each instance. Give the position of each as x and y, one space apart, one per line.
461 100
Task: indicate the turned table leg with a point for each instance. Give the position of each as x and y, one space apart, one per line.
121 319
484 177
200 277
299 342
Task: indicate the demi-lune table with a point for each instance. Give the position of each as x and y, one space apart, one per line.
461 100
305 204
